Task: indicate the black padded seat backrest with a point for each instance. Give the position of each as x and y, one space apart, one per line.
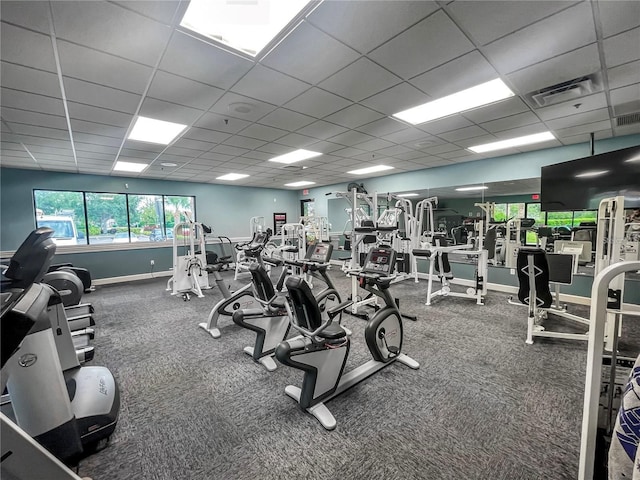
368 238
32 259
305 307
540 273
490 243
261 282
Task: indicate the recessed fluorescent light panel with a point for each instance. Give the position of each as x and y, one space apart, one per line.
155 131
513 142
469 189
130 166
232 176
301 183
295 156
376 168
244 25
407 195
594 173
473 97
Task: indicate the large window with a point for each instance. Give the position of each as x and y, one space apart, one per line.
80 218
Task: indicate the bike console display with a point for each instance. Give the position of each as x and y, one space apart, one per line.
319 253
380 261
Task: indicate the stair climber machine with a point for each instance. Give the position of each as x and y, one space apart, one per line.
241 298
79 411
271 321
322 350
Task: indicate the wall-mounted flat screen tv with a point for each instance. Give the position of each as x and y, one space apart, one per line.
581 184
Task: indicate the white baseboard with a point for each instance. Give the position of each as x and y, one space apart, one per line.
131 278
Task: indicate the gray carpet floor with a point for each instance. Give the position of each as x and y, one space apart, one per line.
483 405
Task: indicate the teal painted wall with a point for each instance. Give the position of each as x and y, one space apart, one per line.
226 208
508 167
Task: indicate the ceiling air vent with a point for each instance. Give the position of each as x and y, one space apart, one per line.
627 119
566 91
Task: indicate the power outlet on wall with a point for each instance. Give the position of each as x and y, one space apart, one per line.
153 262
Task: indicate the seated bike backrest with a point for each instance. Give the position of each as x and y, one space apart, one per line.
261 282
305 306
540 273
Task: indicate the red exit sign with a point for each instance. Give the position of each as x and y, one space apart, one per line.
305 191
535 196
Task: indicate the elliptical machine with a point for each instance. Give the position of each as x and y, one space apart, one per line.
322 350
241 298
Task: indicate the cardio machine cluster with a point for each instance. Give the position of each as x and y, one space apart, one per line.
301 326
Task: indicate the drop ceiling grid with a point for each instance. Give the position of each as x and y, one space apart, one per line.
187 92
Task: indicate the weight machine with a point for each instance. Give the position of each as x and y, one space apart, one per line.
189 269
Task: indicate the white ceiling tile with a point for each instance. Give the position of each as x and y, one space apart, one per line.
275 149
309 54
360 80
350 138
453 122
381 127
204 62
354 116
137 154
29 80
169 112
234 105
348 152
592 102
624 75
351 22
263 132
182 152
23 129
33 118
322 129
410 155
626 130
97 140
229 150
214 121
92 94
409 134
97 128
512 121
630 93
432 42
94 156
573 28
269 86
591 116
194 144
396 99
216 156
143 146
521 131
440 149
110 28
244 142
257 156
325 147
375 144
459 74
583 61
463 133
618 16
622 48
98 115
206 135
173 88
489 20
286 119
27 48
31 101
160 10
296 140
33 14
83 148
317 103
587 128
504 108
